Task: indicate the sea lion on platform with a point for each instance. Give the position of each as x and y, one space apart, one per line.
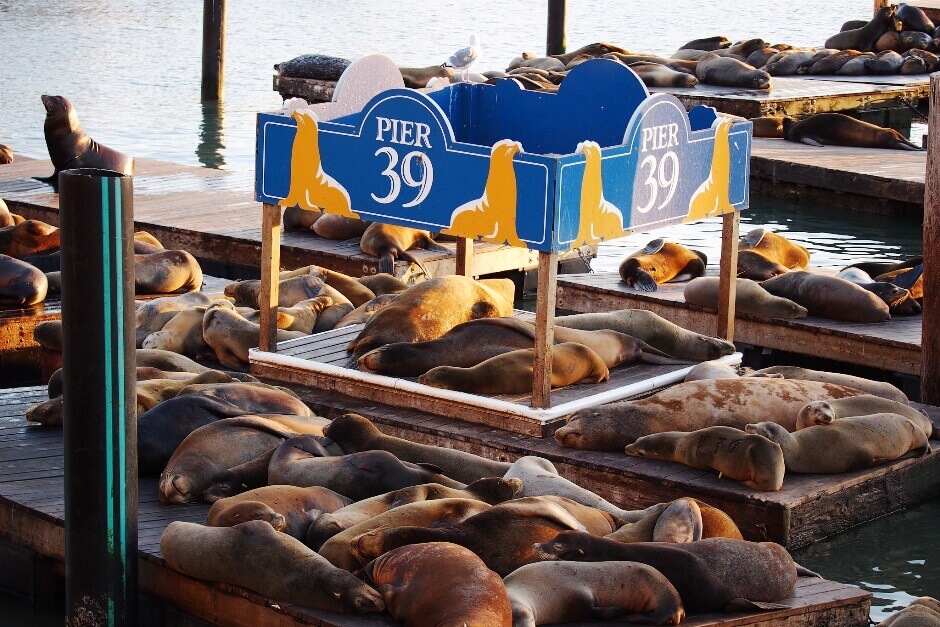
912 65
409 577
290 291
182 334
165 360
432 308
877 388
661 75
351 289
707 43
831 64
776 248
914 19
7 218
877 268
888 62
661 262
856 65
852 25
750 298
829 297
768 126
231 336
711 575
70 147
27 238
255 556
166 272
288 508
654 330
389 242
753 460
899 300
513 372
682 520
303 461
711 370
335 227
153 315
152 392
931 60
789 63
354 434
595 50
826 412
730 72
297 219
891 40
575 592
21 285
846 444
694 405
864 38
382 283
836 129
418 77
361 314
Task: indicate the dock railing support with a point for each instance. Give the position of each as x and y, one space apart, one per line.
930 342
213 49
465 256
557 40
99 381
728 274
545 296
270 276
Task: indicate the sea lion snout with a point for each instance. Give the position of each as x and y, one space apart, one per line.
174 489
49 102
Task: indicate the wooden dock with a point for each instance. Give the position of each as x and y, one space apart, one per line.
32 517
893 345
213 215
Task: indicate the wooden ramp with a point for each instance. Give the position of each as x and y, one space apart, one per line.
32 516
893 345
213 215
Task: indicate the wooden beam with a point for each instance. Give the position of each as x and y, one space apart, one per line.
465 256
270 274
213 49
727 275
930 342
878 4
546 293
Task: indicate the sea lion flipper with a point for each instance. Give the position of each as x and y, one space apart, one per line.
748 605
407 256
483 310
428 243
805 572
387 263
811 142
644 281
654 246
754 236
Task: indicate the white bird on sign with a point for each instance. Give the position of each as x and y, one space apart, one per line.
464 58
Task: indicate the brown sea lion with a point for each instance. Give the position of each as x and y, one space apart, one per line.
303 316
830 65
825 412
864 38
829 297
922 612
355 434
707 43
595 50
683 520
768 126
354 291
288 508
836 129
302 461
753 460
145 243
661 262
166 272
914 19
389 242
712 575
891 40
418 77
877 268
900 301
339 227
182 334
383 283
409 577
432 308
755 266
884 63
788 63
231 336
856 65
165 360
750 298
776 248
7 218
661 75
877 388
575 592
21 284
297 219
912 280
27 238
6 154
153 392
847 444
255 556
290 291
730 72
361 314
151 316
694 405
70 147
931 60
711 370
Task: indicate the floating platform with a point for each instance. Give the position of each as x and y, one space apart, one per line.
893 345
212 214
32 518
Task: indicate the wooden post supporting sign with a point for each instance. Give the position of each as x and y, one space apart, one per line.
728 274
270 275
930 343
464 256
546 294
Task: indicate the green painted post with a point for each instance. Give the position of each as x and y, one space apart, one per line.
99 379
557 25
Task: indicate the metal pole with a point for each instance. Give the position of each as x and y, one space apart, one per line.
213 49
557 24
99 380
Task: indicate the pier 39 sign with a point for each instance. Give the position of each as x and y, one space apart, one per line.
549 172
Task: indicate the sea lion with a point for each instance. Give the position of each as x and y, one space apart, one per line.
154 391
789 63
382 283
758 58
711 370
852 25
831 64
755 266
543 63
661 75
302 461
891 40
354 291
768 126
847 444
877 388
361 314
502 536
70 147
21 284
340 550
711 575
287 508
165 360
661 262
750 298
654 330
151 316
490 490
297 219
877 268
6 154
7 218
836 129
682 520
182 334
856 65
596 49
230 336
829 297
922 612
864 38
753 460
574 592
166 272
825 412
513 372
931 60
730 72
887 62
707 43
355 434
254 556
418 77
389 242
694 405
290 291
911 280
303 316
914 19
336 227
28 238
432 308
912 65
899 300
776 248
409 577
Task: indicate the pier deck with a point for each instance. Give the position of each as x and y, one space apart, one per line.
32 517
893 345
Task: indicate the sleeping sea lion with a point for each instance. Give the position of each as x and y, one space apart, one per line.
21 285
773 247
829 297
884 63
826 412
836 129
382 283
290 291
297 219
288 508
730 72
750 298
166 272
707 43
661 262
361 314
389 242
914 19
354 291
153 315
231 336
876 268
768 126
877 388
661 75
335 227
27 238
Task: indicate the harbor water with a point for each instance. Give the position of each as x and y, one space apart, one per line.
132 68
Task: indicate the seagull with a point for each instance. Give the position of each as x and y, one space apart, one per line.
464 58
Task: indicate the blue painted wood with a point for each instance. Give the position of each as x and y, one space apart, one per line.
545 171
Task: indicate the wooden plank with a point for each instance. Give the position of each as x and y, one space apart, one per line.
270 276
544 329
727 275
464 256
930 362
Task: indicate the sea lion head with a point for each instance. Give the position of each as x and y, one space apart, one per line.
176 489
445 377
59 111
770 430
815 413
383 359
47 413
243 512
494 490
351 430
753 265
655 446
567 546
359 597
578 432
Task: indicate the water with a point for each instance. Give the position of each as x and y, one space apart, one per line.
132 68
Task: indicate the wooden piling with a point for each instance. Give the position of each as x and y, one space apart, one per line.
557 40
546 294
728 273
930 343
270 276
465 256
213 49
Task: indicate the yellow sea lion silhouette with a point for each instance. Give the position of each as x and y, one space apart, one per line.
492 217
599 219
712 196
310 187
